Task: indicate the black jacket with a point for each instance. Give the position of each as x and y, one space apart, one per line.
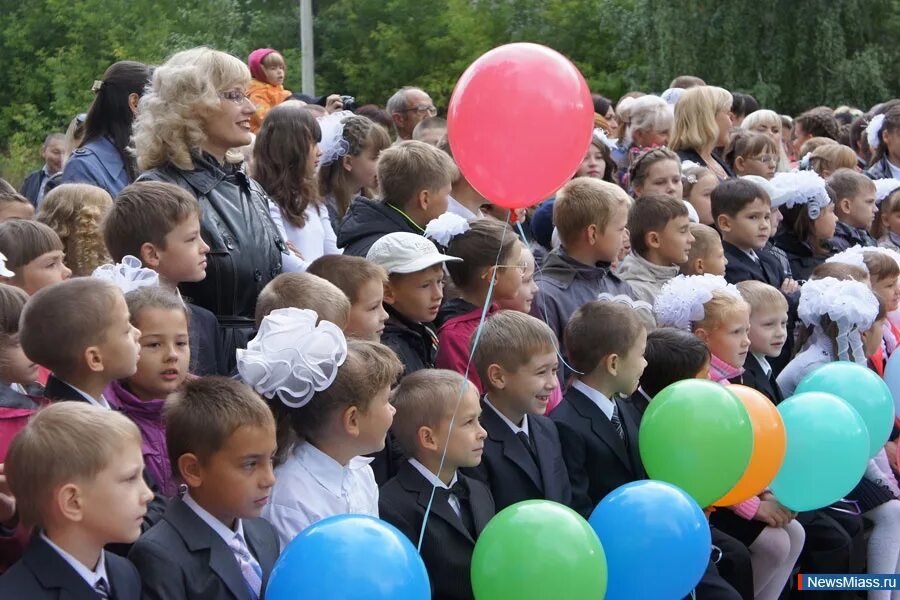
447 546
414 343
366 222
753 376
183 558
245 247
801 256
597 459
693 156
509 470
32 186
880 170
847 236
42 574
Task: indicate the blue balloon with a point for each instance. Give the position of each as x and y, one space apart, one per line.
892 379
827 451
656 540
349 557
862 389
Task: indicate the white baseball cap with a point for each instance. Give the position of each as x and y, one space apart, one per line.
404 252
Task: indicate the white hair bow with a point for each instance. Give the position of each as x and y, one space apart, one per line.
127 275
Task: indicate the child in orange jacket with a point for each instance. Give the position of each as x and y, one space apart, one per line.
266 90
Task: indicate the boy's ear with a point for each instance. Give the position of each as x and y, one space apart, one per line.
723 222
149 256
350 420
702 334
652 239
590 234
190 470
697 267
426 438
739 163
69 502
389 296
93 358
844 205
496 376
423 197
611 364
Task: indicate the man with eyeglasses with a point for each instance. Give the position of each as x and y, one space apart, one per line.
408 107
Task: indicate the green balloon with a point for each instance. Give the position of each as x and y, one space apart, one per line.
535 550
697 435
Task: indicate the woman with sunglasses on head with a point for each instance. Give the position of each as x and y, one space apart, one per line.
194 112
103 158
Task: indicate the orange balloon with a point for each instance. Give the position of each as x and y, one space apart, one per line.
769 444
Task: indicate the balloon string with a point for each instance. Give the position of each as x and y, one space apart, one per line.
462 389
543 308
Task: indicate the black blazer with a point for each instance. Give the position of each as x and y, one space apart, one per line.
596 457
741 267
447 546
508 469
60 391
753 376
183 558
42 574
207 352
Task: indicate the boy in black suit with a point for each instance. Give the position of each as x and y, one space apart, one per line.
210 543
599 432
62 473
159 223
437 425
768 335
517 363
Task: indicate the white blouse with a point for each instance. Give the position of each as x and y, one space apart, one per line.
311 486
316 238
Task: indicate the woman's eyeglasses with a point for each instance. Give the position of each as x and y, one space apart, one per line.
236 96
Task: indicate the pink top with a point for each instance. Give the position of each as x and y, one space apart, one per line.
454 343
720 371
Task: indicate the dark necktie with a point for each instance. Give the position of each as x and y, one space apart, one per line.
460 489
617 423
102 588
529 444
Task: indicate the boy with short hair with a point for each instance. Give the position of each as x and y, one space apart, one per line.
211 542
438 428
707 254
304 290
412 296
363 284
80 330
671 355
34 253
661 239
768 335
516 360
415 179
598 432
855 209
159 223
430 130
75 471
590 217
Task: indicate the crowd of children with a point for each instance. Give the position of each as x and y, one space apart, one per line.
418 359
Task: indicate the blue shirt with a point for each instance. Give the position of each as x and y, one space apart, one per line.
97 163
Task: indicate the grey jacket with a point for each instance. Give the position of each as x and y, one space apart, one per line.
645 278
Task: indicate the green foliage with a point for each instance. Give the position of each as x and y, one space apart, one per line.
790 55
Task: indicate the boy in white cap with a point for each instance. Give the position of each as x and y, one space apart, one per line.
412 295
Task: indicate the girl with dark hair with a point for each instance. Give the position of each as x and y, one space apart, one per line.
104 159
285 158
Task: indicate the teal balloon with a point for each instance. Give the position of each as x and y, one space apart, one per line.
696 435
827 451
862 389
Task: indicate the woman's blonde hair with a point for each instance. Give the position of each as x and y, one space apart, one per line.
183 93
769 118
695 124
75 211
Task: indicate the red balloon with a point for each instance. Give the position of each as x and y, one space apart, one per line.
519 123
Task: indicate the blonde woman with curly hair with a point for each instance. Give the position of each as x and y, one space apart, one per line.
74 211
702 124
193 114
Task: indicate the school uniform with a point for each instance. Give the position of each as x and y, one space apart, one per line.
598 457
46 572
207 350
515 469
758 266
759 375
453 526
190 554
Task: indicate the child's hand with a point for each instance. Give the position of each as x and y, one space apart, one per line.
333 103
773 514
789 286
7 501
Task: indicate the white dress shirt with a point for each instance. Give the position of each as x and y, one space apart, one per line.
311 486
763 362
102 403
455 207
598 398
435 481
90 576
315 239
515 428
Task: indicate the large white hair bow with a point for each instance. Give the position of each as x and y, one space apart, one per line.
680 302
849 304
127 275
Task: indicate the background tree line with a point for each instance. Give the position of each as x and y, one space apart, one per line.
790 54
